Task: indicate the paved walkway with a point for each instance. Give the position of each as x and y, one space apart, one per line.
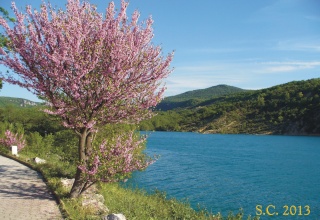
23 194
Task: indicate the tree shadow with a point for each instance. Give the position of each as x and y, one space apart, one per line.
23 183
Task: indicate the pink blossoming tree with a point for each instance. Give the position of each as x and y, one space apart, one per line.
92 70
115 159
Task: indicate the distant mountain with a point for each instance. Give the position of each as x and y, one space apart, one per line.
17 102
292 108
194 97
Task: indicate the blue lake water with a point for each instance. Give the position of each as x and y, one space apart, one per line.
228 172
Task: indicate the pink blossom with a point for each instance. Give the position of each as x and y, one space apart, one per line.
12 139
117 157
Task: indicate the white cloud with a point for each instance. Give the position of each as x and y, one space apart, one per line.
278 67
311 44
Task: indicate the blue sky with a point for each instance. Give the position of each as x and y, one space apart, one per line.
251 44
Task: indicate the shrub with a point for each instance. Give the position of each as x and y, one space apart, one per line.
11 139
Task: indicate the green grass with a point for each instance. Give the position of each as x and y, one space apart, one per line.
139 205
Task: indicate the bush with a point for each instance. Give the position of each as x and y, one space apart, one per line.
66 145
12 139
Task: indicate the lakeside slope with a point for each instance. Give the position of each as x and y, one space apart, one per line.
292 108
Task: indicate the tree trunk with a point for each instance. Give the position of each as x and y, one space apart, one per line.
77 185
79 182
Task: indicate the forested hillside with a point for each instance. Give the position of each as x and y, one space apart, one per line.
17 102
292 108
194 97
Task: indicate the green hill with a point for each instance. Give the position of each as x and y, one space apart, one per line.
17 102
194 97
291 108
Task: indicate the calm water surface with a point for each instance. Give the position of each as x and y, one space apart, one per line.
228 172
